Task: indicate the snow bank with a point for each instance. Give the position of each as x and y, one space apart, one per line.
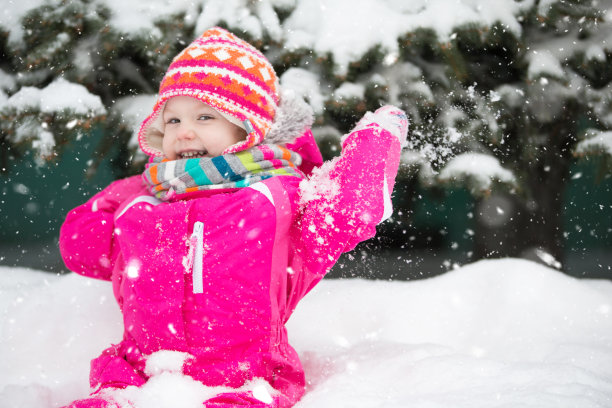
503 333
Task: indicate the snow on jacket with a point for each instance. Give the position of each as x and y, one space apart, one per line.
262 248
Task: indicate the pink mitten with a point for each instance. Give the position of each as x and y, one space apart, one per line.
388 117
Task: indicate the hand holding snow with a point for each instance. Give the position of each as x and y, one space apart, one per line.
389 117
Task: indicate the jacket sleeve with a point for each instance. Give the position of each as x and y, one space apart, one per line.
86 237
343 202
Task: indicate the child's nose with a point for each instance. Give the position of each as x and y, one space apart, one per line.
186 132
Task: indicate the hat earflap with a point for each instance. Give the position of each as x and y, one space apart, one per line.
293 117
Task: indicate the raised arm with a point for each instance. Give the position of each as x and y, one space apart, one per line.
347 197
86 237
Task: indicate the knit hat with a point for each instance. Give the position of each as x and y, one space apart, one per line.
226 73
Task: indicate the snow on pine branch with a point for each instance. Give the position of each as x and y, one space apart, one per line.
479 171
305 84
597 142
58 96
23 114
544 63
322 26
326 28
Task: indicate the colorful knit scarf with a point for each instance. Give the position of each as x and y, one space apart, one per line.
166 178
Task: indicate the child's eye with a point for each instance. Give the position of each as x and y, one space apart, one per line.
205 117
172 121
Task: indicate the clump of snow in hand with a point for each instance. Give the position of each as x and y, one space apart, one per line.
384 120
58 96
479 167
544 63
597 141
509 328
305 84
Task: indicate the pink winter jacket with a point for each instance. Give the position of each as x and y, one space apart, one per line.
262 249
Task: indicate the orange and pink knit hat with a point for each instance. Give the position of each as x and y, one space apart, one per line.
226 73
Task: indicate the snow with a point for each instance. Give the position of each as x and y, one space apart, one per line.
7 81
3 98
169 388
44 142
597 141
11 14
480 168
237 14
134 17
496 333
305 84
320 185
133 110
511 95
595 52
349 90
324 27
57 96
543 63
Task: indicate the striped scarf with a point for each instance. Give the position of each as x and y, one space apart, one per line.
165 178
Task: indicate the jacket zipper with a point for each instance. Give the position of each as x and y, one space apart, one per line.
197 238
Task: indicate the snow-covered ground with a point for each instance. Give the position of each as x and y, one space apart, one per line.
503 333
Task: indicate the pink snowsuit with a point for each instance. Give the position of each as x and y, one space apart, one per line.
262 249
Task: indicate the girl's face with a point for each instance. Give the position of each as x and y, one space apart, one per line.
194 129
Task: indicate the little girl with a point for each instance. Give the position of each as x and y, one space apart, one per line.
211 249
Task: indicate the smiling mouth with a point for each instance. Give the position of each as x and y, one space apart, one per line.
193 154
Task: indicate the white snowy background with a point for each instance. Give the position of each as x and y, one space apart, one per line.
497 333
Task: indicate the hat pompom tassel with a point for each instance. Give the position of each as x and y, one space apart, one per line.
293 117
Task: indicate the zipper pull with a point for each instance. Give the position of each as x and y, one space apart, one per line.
197 238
